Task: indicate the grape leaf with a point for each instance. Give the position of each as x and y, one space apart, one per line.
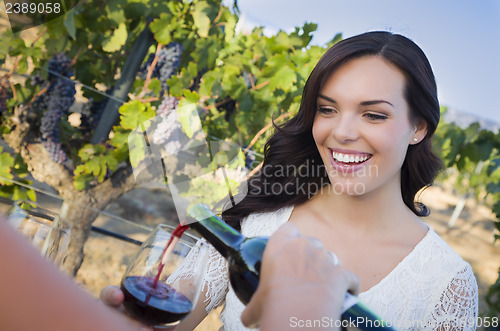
135 113
161 29
69 23
117 40
201 18
6 162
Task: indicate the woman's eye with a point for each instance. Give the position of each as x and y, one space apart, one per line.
376 117
326 110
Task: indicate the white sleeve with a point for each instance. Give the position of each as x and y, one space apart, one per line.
457 308
216 279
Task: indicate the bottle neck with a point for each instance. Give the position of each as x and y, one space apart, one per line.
222 236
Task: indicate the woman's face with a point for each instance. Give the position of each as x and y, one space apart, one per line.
361 126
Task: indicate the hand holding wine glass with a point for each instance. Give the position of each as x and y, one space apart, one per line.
153 292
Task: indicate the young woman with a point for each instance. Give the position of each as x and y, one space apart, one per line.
346 170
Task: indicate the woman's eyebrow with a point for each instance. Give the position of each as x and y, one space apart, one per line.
364 103
326 98
374 102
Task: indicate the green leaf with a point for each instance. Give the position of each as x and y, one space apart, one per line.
115 13
120 137
201 19
69 23
230 25
89 151
20 168
188 116
22 66
336 39
6 162
117 40
81 181
191 96
161 29
135 113
493 166
175 86
284 78
210 84
155 86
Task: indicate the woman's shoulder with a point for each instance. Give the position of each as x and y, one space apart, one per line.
265 223
441 254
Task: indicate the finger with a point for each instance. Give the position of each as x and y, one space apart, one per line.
250 317
112 295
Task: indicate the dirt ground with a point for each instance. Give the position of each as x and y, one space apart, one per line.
106 257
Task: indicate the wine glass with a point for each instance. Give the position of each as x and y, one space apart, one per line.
45 229
158 292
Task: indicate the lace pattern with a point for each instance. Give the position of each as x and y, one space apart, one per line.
215 280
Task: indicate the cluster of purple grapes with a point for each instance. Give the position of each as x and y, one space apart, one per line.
166 126
169 59
61 65
250 157
5 95
36 79
54 104
168 104
92 112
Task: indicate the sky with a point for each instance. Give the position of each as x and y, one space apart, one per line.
461 38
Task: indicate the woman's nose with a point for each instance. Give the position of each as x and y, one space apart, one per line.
346 129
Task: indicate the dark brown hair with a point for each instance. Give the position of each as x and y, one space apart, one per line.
293 143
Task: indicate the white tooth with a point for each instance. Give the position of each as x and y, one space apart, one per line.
356 159
351 159
340 157
346 158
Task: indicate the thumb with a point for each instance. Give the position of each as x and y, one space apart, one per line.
250 317
112 295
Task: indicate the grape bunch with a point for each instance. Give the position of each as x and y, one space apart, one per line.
55 103
169 59
36 80
250 157
165 126
5 95
92 112
61 65
168 104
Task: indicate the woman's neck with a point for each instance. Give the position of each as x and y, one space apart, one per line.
381 209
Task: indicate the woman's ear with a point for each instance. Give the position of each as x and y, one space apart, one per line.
420 132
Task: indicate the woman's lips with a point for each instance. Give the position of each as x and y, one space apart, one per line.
346 162
349 157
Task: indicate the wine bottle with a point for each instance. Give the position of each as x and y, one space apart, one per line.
244 259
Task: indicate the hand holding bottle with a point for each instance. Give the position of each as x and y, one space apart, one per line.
299 280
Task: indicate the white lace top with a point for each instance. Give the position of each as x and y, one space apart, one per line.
431 288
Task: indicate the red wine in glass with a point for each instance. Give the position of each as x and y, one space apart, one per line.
151 301
154 305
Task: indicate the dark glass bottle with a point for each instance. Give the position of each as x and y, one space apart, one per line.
244 259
